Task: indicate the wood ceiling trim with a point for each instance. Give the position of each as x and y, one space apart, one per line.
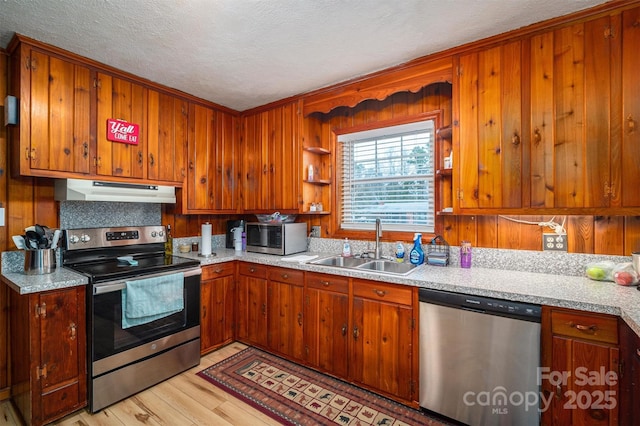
410 78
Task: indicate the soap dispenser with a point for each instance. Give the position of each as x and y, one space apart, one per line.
416 255
346 248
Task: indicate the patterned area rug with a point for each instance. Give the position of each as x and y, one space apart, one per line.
295 395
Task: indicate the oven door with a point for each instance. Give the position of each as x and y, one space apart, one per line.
113 346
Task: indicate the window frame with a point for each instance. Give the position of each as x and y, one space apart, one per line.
389 235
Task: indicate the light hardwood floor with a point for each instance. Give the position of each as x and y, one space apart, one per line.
182 400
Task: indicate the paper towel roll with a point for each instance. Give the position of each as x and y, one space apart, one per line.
206 239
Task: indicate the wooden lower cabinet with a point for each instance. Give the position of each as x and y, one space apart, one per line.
326 322
217 291
580 368
629 375
251 320
48 352
383 338
284 312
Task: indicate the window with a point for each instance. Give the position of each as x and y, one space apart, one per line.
388 173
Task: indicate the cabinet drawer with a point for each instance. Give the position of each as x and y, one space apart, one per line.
285 275
218 270
252 270
328 282
600 328
383 292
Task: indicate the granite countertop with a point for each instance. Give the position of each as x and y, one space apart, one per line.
574 292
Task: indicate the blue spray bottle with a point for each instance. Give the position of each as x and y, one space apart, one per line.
416 255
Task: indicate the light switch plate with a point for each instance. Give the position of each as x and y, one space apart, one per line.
1 216
554 242
316 231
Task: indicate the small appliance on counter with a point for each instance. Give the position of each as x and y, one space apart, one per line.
276 238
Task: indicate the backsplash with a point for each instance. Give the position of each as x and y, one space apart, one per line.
99 214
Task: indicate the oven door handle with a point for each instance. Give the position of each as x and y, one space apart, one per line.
121 285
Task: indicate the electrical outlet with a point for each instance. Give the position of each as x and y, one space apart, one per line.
315 231
554 242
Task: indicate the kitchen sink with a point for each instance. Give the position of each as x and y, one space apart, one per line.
344 262
388 267
369 265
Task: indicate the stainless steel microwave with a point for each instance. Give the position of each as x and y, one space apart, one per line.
276 238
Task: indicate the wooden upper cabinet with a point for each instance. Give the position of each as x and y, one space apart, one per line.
54 134
167 122
123 100
271 159
628 174
549 122
212 157
490 129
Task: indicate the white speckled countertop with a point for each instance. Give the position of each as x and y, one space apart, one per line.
574 292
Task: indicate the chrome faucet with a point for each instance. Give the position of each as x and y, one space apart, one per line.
378 235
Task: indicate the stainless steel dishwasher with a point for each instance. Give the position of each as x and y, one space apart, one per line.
479 358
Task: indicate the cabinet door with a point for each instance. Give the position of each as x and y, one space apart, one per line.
62 351
272 159
585 398
326 322
123 100
382 339
216 312
490 120
252 307
201 158
167 137
629 376
629 172
56 132
285 312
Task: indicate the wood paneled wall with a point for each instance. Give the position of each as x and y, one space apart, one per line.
614 235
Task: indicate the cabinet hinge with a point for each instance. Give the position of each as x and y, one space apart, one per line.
460 194
609 190
41 310
31 63
459 70
41 372
609 32
97 83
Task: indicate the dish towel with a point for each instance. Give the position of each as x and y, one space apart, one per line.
150 299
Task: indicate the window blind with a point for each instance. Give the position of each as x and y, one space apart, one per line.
391 177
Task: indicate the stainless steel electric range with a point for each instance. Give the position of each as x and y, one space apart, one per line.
142 309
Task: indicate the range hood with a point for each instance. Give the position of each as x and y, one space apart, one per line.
93 190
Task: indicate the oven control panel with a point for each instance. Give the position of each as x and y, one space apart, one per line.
111 237
122 235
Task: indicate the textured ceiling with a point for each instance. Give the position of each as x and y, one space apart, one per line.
246 53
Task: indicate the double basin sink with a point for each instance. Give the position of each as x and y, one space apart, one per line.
369 265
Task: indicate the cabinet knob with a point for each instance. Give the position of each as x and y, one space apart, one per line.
300 319
515 139
344 330
356 333
284 276
252 270
380 293
325 283
264 309
152 160
558 392
140 157
85 150
73 331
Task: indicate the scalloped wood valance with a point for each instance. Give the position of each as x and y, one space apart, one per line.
409 77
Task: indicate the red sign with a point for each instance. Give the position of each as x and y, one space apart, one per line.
122 131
